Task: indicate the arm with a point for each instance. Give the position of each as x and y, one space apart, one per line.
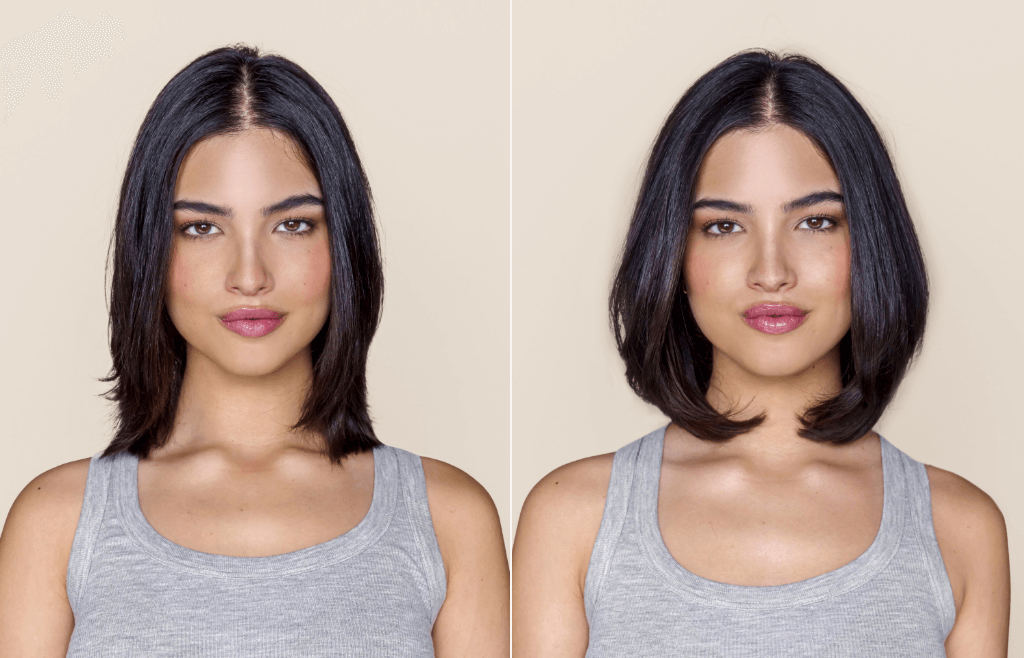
474 618
557 530
35 616
972 538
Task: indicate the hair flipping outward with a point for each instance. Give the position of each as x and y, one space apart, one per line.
668 359
225 91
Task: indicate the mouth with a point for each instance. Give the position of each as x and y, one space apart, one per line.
252 322
774 318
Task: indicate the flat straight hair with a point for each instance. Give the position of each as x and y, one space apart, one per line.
226 91
668 360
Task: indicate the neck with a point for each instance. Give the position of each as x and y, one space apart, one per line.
244 418
781 399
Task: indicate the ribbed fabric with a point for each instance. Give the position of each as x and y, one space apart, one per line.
893 600
373 591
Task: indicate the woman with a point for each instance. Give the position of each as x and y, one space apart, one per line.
770 296
245 504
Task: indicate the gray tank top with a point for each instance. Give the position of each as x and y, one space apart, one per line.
373 591
893 600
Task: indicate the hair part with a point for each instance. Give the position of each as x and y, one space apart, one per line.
225 91
668 359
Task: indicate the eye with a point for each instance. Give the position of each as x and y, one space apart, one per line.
818 223
722 227
294 226
199 229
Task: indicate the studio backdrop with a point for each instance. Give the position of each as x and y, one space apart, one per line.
423 87
592 84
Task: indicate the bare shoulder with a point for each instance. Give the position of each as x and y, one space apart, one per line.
562 515
474 618
454 492
969 527
463 513
964 509
573 491
35 616
557 529
50 504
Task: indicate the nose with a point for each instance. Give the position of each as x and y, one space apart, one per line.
770 269
249 274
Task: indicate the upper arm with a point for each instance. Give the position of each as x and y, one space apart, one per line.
557 530
35 616
972 538
474 618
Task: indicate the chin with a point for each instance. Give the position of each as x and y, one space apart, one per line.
248 361
251 367
778 363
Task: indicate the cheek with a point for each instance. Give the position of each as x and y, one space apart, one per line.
317 280
698 272
181 288
709 273
837 272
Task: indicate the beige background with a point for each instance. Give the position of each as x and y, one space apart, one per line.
423 87
591 85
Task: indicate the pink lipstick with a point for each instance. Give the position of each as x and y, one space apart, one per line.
774 318
252 322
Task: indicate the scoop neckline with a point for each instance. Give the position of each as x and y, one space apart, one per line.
849 576
344 546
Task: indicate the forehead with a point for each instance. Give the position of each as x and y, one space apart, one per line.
764 167
254 164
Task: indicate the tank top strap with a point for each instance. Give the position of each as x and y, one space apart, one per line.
919 503
414 496
627 462
94 503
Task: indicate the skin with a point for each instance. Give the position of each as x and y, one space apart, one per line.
234 478
767 507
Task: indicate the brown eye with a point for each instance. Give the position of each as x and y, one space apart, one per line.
294 226
198 229
819 223
722 228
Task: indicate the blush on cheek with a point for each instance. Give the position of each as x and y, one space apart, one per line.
179 279
317 282
841 274
697 271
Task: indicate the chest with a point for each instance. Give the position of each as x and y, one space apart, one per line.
767 533
252 515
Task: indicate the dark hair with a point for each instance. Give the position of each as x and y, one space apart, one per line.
668 359
225 91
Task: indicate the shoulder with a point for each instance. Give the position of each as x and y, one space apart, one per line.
970 530
573 489
562 515
474 617
34 550
464 515
48 507
454 492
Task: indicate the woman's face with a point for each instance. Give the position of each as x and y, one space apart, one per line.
769 230
250 273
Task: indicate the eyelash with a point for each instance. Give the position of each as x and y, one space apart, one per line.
311 225
706 229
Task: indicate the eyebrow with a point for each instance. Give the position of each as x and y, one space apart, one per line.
292 202
813 200
803 202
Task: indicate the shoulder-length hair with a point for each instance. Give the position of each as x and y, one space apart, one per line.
225 91
668 359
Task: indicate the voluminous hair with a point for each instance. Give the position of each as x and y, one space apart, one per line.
226 91
668 360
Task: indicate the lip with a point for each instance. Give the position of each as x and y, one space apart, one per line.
252 322
774 318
